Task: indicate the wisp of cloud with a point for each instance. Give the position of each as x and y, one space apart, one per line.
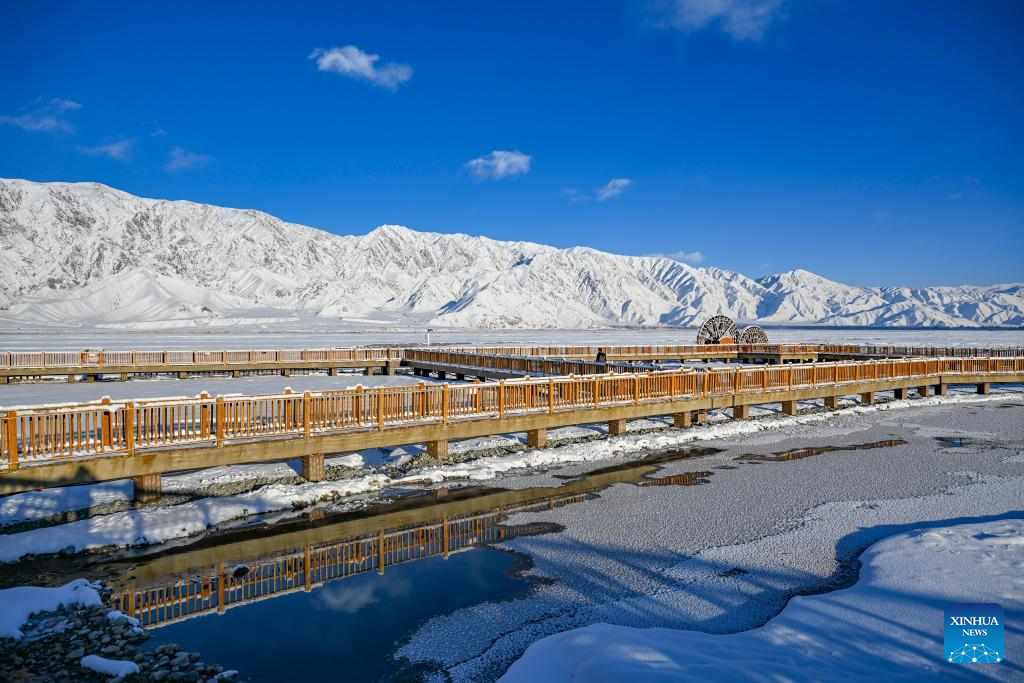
351 62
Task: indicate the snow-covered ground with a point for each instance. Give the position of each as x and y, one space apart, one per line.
34 393
888 625
302 338
726 556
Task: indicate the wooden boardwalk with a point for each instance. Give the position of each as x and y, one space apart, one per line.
58 445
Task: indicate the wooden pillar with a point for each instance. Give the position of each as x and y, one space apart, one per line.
438 450
922 391
125 376
286 372
236 373
537 438
702 416
332 372
389 369
899 394
616 427
146 488
682 420
71 379
313 467
368 371
984 388
831 402
741 412
867 398
941 389
789 407
182 375
89 378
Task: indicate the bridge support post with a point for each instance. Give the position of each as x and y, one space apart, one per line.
832 402
236 373
537 438
702 416
313 467
146 488
71 379
438 450
616 427
899 394
789 407
332 372
368 371
125 376
89 378
984 388
923 391
182 375
741 412
867 398
389 369
286 372
941 389
682 420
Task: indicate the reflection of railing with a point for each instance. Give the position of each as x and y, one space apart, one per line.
120 359
225 586
47 433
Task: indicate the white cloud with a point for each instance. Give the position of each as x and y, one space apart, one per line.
741 19
613 188
499 164
180 159
120 150
352 62
691 257
574 196
45 116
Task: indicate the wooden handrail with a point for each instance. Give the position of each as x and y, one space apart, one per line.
101 428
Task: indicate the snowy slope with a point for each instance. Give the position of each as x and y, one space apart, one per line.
87 254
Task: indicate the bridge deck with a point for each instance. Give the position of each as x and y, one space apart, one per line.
60 445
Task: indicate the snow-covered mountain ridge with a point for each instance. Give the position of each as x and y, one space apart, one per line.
87 254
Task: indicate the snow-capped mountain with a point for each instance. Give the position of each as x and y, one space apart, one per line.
87 254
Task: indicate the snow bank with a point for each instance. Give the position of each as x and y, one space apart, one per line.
891 620
18 604
109 667
159 524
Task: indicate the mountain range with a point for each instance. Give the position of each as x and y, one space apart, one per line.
87 255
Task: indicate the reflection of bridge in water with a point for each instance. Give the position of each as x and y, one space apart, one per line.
204 580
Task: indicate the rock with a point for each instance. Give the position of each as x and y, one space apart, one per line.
194 656
110 650
77 653
160 674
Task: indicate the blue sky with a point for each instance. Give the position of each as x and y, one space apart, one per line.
870 142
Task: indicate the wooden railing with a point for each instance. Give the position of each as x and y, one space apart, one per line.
535 355
45 433
313 565
525 365
101 359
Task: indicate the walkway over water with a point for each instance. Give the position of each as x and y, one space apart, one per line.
57 445
125 364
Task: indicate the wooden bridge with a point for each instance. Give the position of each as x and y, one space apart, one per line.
91 365
58 445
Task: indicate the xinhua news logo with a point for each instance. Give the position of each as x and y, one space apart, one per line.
974 633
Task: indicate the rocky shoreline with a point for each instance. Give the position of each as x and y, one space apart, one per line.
55 643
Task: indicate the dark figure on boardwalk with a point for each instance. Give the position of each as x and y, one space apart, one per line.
602 357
